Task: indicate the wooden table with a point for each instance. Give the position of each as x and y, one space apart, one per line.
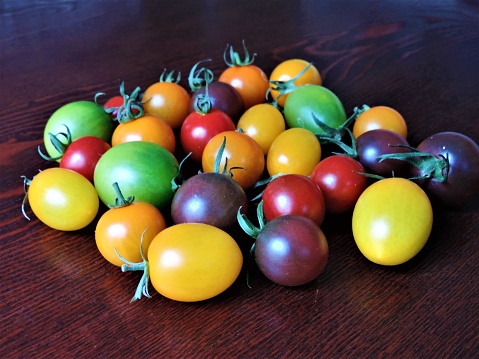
60 298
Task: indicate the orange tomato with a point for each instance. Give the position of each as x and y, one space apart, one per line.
288 70
241 151
148 128
380 117
167 100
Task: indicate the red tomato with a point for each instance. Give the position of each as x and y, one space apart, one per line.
83 154
340 182
293 194
198 129
147 128
245 157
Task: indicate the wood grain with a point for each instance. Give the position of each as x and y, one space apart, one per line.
60 298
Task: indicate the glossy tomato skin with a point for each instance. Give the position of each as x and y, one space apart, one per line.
263 123
462 183
392 221
295 150
83 118
192 262
245 157
123 229
83 154
211 198
291 250
288 70
309 99
167 100
147 128
250 81
63 199
142 169
374 143
341 182
224 97
198 129
293 194
380 117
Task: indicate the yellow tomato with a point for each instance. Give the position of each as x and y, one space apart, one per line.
295 150
262 123
392 221
191 262
380 117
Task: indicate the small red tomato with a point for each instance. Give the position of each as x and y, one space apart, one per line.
293 194
340 181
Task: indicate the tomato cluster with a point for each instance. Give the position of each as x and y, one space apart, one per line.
247 133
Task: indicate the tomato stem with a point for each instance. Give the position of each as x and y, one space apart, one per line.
246 225
59 146
26 184
195 80
120 200
234 59
132 107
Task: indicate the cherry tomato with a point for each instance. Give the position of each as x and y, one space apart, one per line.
147 128
63 199
310 102
295 150
293 194
142 169
198 129
288 70
241 151
392 221
192 262
83 118
263 123
168 100
380 117
340 181
291 250
120 229
211 198
250 81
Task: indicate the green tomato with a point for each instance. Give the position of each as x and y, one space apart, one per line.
83 118
309 100
142 169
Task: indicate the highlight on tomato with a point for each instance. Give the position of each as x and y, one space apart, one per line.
288 70
379 117
189 262
263 123
295 150
242 157
61 198
392 221
167 99
119 229
250 80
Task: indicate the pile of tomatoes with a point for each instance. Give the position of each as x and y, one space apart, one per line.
176 170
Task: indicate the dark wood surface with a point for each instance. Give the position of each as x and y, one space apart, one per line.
60 298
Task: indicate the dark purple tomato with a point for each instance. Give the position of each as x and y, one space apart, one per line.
293 194
459 183
291 250
341 182
374 143
197 129
83 154
210 198
224 97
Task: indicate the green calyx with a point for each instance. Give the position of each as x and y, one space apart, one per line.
170 76
199 77
436 167
203 103
234 57
59 145
217 166
285 87
142 289
132 107
247 226
26 184
120 200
